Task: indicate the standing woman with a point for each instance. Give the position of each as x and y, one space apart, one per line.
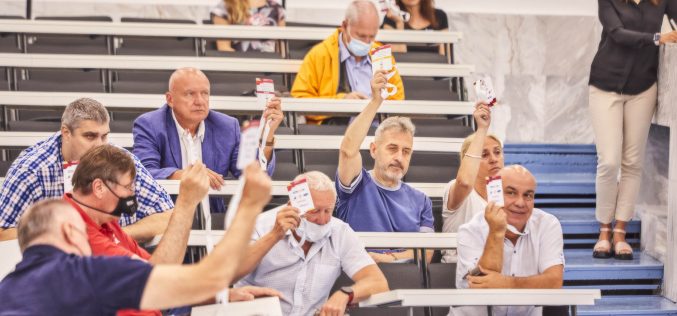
622 98
248 12
424 17
465 196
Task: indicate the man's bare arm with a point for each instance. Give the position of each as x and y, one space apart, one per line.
148 227
7 234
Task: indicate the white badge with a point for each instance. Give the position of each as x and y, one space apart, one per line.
484 90
299 196
265 90
68 172
382 59
249 143
495 190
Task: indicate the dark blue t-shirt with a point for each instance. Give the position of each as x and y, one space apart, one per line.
368 207
50 282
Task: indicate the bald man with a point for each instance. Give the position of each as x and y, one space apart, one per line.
161 137
340 66
492 256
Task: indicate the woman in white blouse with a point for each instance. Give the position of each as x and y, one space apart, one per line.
465 196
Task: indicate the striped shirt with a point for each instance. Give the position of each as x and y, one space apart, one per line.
37 174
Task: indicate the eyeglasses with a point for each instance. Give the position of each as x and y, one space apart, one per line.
130 187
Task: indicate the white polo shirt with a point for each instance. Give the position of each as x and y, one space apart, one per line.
306 280
535 252
453 219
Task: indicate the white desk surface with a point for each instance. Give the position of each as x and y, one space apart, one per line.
369 239
497 297
266 306
11 255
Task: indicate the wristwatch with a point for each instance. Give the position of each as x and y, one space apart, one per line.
348 290
657 39
270 143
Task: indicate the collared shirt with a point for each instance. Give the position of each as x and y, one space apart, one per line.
359 73
198 138
48 281
306 280
37 174
369 207
535 252
626 61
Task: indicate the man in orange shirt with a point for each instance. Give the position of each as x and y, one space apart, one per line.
103 190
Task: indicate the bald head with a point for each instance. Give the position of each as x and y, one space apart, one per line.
519 190
185 73
188 96
517 171
42 223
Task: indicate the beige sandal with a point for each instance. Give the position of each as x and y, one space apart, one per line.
602 249
622 249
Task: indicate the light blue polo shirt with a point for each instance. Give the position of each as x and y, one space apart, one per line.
359 73
369 207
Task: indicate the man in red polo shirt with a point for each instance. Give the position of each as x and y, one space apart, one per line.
103 190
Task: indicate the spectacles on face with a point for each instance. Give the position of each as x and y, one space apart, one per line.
130 187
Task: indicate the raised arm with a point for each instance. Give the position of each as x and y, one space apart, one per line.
194 186
470 162
350 161
175 285
492 257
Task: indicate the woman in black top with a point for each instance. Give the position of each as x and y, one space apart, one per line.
424 16
622 99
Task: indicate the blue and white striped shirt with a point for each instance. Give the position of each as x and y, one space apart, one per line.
37 174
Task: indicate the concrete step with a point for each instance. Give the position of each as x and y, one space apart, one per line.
583 221
630 305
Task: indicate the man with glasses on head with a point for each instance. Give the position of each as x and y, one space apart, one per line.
340 66
38 173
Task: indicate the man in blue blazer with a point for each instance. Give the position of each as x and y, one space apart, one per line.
162 138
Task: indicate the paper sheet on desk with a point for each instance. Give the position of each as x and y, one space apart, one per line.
265 306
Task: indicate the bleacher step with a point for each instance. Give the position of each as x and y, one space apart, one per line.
644 305
580 265
583 221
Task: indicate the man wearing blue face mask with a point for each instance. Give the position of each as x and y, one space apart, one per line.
340 66
309 253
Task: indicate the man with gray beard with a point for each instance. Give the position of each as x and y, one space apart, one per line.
377 200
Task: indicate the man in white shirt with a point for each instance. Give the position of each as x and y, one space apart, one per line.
309 254
490 256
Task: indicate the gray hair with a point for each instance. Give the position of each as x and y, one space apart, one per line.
84 109
400 123
360 8
39 220
318 181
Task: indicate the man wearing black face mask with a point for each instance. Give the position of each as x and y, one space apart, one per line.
103 190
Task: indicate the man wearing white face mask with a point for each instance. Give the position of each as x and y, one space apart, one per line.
310 254
340 66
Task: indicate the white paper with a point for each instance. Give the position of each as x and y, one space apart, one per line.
484 90
265 90
68 172
299 196
249 143
495 190
262 146
381 59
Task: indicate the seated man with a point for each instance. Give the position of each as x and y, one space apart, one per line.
103 189
58 276
38 174
489 256
378 200
340 66
160 136
309 253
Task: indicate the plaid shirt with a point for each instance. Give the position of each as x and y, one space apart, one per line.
37 174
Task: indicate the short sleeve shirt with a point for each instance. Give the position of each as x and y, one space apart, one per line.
369 207
453 219
48 281
306 280
37 174
540 249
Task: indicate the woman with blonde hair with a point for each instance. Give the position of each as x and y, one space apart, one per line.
248 12
465 196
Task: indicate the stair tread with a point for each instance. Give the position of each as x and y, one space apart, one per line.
629 305
582 259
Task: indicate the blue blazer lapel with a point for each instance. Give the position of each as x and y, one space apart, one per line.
209 146
173 138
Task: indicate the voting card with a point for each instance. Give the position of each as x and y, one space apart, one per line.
265 90
68 172
299 196
249 143
484 90
381 58
495 190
